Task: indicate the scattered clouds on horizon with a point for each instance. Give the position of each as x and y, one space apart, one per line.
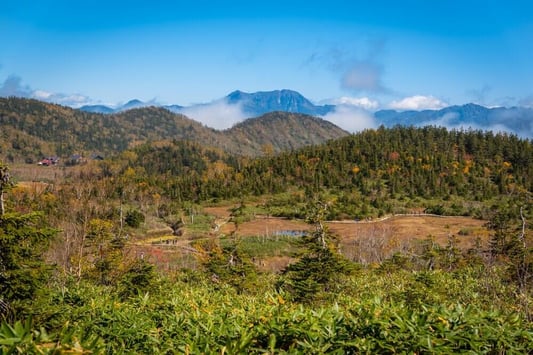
449 120
418 102
363 102
13 86
351 113
74 100
351 118
218 114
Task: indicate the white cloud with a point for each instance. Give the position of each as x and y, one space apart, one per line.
217 114
13 86
42 95
351 118
450 121
363 102
73 100
418 102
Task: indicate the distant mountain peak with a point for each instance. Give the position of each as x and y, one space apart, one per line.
132 104
261 102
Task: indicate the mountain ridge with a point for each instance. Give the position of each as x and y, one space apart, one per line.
31 129
517 120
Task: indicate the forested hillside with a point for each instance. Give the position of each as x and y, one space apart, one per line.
369 171
147 251
32 129
281 131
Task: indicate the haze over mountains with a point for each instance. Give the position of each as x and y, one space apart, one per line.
239 105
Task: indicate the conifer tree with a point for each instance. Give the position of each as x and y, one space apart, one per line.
320 265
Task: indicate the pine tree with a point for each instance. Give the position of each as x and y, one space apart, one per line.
23 240
320 264
509 243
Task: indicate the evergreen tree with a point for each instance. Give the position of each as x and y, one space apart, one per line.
509 240
227 264
320 265
23 240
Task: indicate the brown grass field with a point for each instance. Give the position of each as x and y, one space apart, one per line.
400 227
365 241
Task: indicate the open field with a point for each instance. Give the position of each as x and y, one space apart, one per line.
362 241
400 227
408 228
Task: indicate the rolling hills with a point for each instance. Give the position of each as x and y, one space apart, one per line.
31 129
517 120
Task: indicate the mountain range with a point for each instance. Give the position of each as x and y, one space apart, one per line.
517 120
31 129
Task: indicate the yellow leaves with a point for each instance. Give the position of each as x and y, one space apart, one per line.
129 173
239 177
130 156
48 198
267 149
142 185
443 321
355 169
218 169
506 165
281 300
468 163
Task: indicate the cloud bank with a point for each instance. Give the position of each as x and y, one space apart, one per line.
351 118
450 121
218 114
418 102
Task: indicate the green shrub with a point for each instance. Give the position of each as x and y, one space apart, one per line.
134 218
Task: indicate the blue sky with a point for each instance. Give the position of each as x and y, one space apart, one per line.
374 54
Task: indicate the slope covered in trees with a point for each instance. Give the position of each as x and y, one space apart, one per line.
282 131
32 129
369 170
114 283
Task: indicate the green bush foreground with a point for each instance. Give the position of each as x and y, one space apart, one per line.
369 312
